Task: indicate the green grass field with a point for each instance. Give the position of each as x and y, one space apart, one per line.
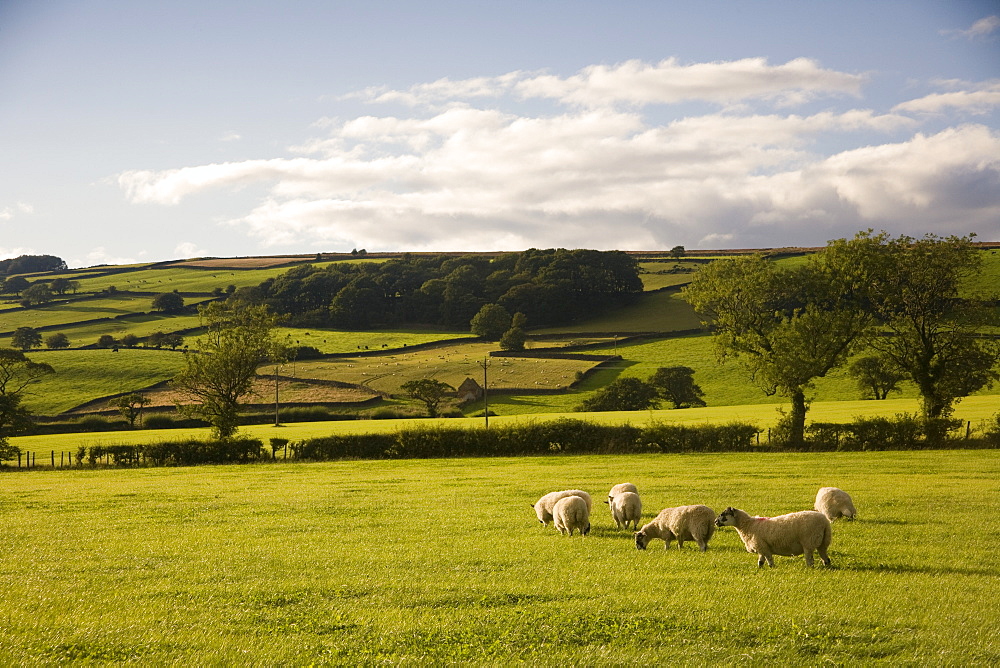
432 562
84 375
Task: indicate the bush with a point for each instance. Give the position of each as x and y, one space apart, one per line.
159 421
558 436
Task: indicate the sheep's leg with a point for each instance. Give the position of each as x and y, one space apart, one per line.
809 558
823 556
760 561
666 541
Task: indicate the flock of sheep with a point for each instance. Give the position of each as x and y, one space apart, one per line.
804 532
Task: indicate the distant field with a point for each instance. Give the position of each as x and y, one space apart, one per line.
652 312
449 364
342 341
84 375
56 314
140 324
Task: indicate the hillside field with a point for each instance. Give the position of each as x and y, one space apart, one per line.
442 561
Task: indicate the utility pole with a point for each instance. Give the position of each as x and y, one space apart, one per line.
486 402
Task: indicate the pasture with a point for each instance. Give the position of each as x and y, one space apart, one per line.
443 561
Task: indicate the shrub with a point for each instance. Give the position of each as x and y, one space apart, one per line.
159 421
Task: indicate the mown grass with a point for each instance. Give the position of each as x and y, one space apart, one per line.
433 562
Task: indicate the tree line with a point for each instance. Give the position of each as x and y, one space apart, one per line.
549 287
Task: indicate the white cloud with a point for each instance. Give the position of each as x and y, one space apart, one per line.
9 212
230 136
637 83
601 176
7 253
981 99
188 249
980 29
99 255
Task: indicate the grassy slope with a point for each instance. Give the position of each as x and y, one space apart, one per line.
83 375
359 563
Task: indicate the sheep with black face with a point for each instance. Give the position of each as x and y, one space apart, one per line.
786 535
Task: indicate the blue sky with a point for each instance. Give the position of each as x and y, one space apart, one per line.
139 131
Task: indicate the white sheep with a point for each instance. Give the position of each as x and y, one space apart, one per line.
626 507
619 489
571 512
683 523
543 507
835 503
786 535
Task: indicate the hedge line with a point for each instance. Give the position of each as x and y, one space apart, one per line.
567 435
558 436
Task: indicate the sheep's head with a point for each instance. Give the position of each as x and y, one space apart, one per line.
726 518
641 540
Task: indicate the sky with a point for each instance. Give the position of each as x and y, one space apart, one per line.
138 131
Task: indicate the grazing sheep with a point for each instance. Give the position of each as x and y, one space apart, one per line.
835 503
683 523
571 512
543 507
619 489
786 535
626 507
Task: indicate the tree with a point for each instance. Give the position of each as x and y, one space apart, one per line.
106 341
515 337
17 372
26 338
62 285
168 302
491 322
15 285
876 376
173 340
428 390
676 385
130 340
220 374
677 252
37 293
130 406
786 326
57 341
922 294
622 394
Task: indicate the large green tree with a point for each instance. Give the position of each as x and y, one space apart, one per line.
786 326
931 309
219 373
17 372
491 322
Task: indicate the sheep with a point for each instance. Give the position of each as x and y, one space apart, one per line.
683 523
543 507
786 535
835 503
618 489
626 507
571 512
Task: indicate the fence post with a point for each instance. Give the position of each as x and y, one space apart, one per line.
53 459
968 429
19 460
